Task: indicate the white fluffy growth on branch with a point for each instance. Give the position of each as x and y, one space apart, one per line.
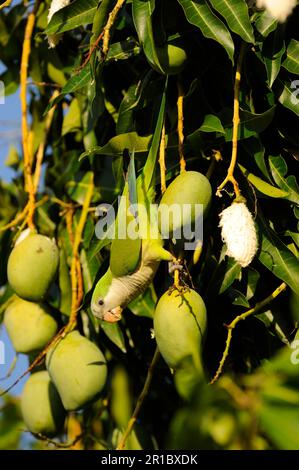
55 6
239 233
279 9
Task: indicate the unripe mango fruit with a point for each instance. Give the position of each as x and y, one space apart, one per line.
29 325
172 57
32 266
186 191
41 405
78 369
180 322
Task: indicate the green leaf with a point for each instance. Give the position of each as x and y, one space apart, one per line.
130 141
114 333
238 298
65 286
232 272
270 322
254 147
142 16
10 78
288 96
76 82
77 189
291 62
125 121
90 267
253 278
272 51
250 123
225 273
123 50
200 14
265 23
288 184
78 13
262 186
72 120
294 236
145 182
281 424
236 15
211 124
144 305
277 257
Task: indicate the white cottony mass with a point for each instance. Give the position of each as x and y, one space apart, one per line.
55 6
239 233
279 9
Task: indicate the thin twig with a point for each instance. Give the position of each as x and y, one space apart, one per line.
25 133
140 401
37 361
76 272
236 122
91 51
21 216
42 145
77 289
104 35
74 432
5 4
11 368
243 316
180 127
109 24
58 445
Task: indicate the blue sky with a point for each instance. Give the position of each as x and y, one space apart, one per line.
10 134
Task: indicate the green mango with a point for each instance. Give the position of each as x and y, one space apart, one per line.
180 323
41 405
29 325
189 188
172 57
78 369
32 266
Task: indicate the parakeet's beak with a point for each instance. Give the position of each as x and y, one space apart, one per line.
113 315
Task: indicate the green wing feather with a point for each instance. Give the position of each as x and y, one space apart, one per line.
125 248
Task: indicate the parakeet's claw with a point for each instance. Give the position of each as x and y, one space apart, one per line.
173 266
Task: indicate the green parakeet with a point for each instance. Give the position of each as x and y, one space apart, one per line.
133 260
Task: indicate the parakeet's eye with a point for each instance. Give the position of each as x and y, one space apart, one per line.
101 302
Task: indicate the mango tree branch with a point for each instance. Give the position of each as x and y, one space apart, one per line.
76 272
140 401
21 215
180 127
42 145
77 289
5 4
111 20
259 306
26 50
236 122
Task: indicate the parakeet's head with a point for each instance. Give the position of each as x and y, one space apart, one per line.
105 303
